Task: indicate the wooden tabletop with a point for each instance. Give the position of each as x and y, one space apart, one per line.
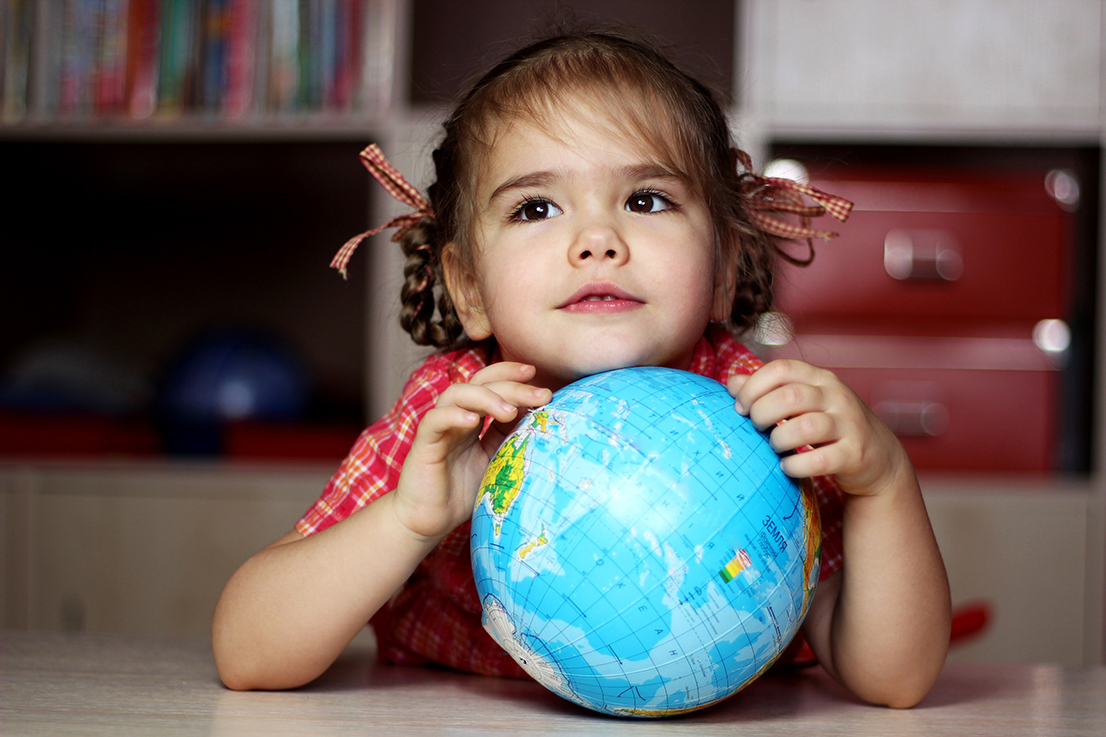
53 684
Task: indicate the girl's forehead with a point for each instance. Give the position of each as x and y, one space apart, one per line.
582 122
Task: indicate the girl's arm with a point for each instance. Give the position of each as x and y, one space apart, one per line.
881 624
288 612
292 608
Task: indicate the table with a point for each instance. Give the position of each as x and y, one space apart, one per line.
57 684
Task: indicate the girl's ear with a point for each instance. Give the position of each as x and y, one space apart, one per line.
725 283
460 282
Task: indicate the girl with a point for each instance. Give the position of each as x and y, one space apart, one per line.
589 213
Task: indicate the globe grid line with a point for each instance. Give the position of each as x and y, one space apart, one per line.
563 645
658 616
618 614
583 533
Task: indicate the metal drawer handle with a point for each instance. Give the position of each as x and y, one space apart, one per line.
922 254
915 419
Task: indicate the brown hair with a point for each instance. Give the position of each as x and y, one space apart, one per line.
676 116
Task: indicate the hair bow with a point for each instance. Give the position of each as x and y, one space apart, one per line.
395 184
772 194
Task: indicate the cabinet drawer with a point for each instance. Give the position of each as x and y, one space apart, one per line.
984 249
951 419
955 403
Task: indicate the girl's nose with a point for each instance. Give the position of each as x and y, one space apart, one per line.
598 243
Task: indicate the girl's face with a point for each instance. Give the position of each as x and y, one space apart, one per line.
589 254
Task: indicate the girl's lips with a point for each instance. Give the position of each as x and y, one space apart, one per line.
600 299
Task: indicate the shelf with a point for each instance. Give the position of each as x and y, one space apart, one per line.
315 127
170 240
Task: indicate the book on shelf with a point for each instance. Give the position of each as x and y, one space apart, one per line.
226 60
16 23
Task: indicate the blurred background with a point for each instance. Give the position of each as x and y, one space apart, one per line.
180 371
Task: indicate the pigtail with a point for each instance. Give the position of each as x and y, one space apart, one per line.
422 238
427 312
423 293
417 294
756 269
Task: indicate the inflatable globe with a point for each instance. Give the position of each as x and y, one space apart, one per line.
636 547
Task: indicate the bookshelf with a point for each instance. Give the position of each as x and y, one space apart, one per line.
204 156
182 64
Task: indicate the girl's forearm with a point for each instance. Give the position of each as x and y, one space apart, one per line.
890 624
288 612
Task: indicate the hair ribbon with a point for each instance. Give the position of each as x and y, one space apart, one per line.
397 186
766 195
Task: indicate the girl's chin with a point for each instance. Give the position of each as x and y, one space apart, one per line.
563 376
589 368
558 371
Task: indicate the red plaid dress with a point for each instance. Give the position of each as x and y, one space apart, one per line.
435 617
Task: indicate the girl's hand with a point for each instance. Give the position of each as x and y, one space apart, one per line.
809 406
441 475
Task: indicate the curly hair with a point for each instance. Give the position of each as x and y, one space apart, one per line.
644 94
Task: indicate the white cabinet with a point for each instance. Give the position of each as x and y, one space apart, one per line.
136 549
1025 551
925 67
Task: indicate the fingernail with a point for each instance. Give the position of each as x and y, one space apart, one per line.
740 408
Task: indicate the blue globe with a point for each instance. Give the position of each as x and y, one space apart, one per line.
636 547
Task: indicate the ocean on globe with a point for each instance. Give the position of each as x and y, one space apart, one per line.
636 547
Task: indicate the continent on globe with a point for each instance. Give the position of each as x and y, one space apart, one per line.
501 628
541 540
503 479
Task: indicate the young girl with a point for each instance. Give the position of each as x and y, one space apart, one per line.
589 213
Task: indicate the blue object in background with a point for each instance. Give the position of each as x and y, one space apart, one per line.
225 375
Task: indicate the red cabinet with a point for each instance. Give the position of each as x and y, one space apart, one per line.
927 306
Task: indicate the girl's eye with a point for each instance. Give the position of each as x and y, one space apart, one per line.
648 202
536 209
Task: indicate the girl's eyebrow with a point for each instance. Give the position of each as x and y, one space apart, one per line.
649 171
636 172
525 181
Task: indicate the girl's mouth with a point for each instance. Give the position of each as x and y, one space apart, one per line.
601 299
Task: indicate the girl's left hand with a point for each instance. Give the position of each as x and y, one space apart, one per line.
807 406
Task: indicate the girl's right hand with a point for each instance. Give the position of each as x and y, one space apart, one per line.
442 473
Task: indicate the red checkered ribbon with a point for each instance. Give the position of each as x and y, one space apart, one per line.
392 181
772 195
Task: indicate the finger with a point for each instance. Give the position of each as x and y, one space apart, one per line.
823 461
443 420
500 400
810 429
504 371
772 376
733 386
786 402
521 395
